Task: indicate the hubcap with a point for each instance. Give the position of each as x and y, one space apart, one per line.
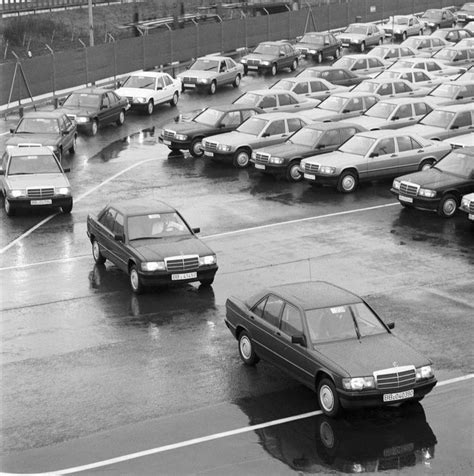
449 207
295 172
242 159
7 206
95 250
94 128
245 347
197 148
150 107
348 183
237 80
134 279
327 398
426 166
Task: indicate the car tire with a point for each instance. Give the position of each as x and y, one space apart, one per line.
447 206
150 107
421 32
66 209
59 155
121 118
337 54
319 58
348 182
236 82
196 147
246 350
327 398
294 65
135 281
94 127
99 258
362 47
212 88
207 282
72 149
246 70
9 207
273 69
241 158
293 173
381 41
426 164
404 36
174 100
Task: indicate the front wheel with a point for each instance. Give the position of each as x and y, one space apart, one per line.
9 208
319 58
362 47
293 173
67 208
273 69
327 398
207 282
94 127
246 350
174 100
426 164
241 159
294 65
448 206
150 107
121 118
347 182
213 88
135 281
196 148
236 82
72 149
99 258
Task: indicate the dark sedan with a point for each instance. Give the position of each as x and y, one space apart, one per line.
319 45
94 107
441 187
211 121
339 76
152 243
331 341
436 18
453 35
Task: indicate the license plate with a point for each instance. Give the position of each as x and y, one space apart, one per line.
471 216
189 85
393 397
209 154
345 45
309 176
402 198
260 166
41 202
252 67
177 277
167 142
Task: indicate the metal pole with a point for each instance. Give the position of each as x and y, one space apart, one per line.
268 23
91 24
86 61
53 79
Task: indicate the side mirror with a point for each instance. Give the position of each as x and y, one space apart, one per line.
67 169
454 127
299 339
391 325
196 230
65 132
118 237
373 154
459 97
321 146
266 134
2 172
119 84
395 118
345 111
12 131
222 125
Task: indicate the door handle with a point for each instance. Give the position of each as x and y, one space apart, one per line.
419 151
278 333
394 155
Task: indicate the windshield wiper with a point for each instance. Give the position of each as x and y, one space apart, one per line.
146 238
355 323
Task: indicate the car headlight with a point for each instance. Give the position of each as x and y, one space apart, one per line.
203 80
358 383
207 260
180 136
465 203
140 100
326 170
52 148
398 31
357 40
426 192
312 52
9 147
302 165
276 160
62 191
17 193
431 24
153 266
396 184
243 60
424 372
266 63
82 119
224 147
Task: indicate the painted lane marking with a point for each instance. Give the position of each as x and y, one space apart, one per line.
4 133
203 439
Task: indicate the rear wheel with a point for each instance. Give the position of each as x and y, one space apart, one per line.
72 149
150 107
246 350
293 173
327 398
135 281
448 206
347 182
174 100
362 47
241 158
213 88
99 258
121 118
273 69
294 65
319 57
236 82
426 164
196 147
67 208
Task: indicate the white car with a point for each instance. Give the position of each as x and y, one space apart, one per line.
146 89
425 45
418 77
436 67
464 140
317 88
402 26
467 205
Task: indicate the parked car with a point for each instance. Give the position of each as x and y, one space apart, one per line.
341 106
393 113
271 57
388 88
210 72
455 56
463 140
151 242
319 45
453 35
94 107
467 205
467 76
32 177
147 89
319 138
361 36
417 77
333 74
445 122
390 53
403 26
52 129
466 43
452 92
211 121
330 340
431 65
257 131
373 155
439 188
466 13
425 45
438 18
362 64
276 100
316 88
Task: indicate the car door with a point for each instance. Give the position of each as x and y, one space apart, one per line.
353 108
287 103
168 88
105 112
401 89
360 66
274 133
231 71
402 116
66 129
330 140
104 234
319 90
410 153
119 247
382 161
385 90
114 109
462 124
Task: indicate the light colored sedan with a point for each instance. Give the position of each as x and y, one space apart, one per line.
361 36
417 77
388 88
316 88
276 100
456 56
467 205
452 92
431 65
403 26
425 44
390 53
363 65
373 155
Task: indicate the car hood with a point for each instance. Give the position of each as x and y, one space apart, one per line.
38 180
134 92
310 46
160 248
79 111
234 138
367 121
284 150
257 56
371 353
187 127
351 36
432 178
43 139
337 158
438 101
318 114
197 73
423 130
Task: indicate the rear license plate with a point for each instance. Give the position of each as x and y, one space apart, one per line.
260 166
167 142
189 85
309 176
41 202
177 277
345 45
402 198
471 216
209 154
393 397
252 67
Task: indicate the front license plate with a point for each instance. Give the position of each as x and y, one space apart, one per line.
309 176
41 202
209 154
345 45
167 142
189 85
393 397
471 216
402 198
252 67
260 166
177 277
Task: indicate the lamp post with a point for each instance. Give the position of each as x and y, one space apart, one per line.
91 24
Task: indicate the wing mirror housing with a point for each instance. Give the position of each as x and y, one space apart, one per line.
196 230
118 237
299 339
12 131
391 325
373 154
395 118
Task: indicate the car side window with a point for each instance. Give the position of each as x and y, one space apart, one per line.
107 218
259 307
316 86
359 64
385 146
401 87
385 89
230 63
433 66
404 111
421 108
118 224
370 101
461 55
425 44
392 53
113 98
67 122
159 82
415 144
268 101
294 124
405 52
222 67
347 133
354 104
420 76
272 310
276 127
167 80
284 99
301 88
404 143
463 119
105 101
291 323
232 118
330 138
248 113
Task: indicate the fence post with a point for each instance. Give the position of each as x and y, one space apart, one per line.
86 59
268 23
197 36
289 21
170 32
53 76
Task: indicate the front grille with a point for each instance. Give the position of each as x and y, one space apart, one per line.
253 62
262 158
471 207
210 145
303 50
130 99
167 134
71 116
182 264
461 16
311 168
409 189
396 378
37 193
190 80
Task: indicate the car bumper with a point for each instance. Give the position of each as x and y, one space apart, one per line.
175 144
321 179
192 86
40 203
165 277
84 126
224 157
430 204
270 168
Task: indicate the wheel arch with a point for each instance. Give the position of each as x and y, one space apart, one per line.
350 169
131 262
320 374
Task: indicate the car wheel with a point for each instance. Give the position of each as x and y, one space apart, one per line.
174 100
241 159
213 88
94 127
319 57
421 32
246 350
404 36
236 82
60 155
273 69
121 118
135 281
99 258
453 25
448 206
67 208
246 70
294 65
426 164
293 173
327 398
196 147
347 182
9 208
206 282
150 107
381 41
72 149
362 47
337 54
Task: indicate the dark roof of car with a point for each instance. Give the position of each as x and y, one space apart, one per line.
140 206
315 294
45 114
92 90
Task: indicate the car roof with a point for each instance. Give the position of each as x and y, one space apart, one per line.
234 107
216 56
323 126
29 149
457 107
45 114
265 92
92 90
277 115
404 100
362 24
353 94
140 206
383 133
149 74
315 294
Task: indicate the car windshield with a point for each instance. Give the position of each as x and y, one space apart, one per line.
305 137
438 118
345 62
445 91
156 225
84 100
357 29
333 103
284 84
313 38
310 73
366 87
412 42
357 145
37 125
271 50
446 54
209 117
433 14
457 163
379 51
349 321
468 7
387 74
142 82
33 164
248 99
253 126
382 110
205 65
398 20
